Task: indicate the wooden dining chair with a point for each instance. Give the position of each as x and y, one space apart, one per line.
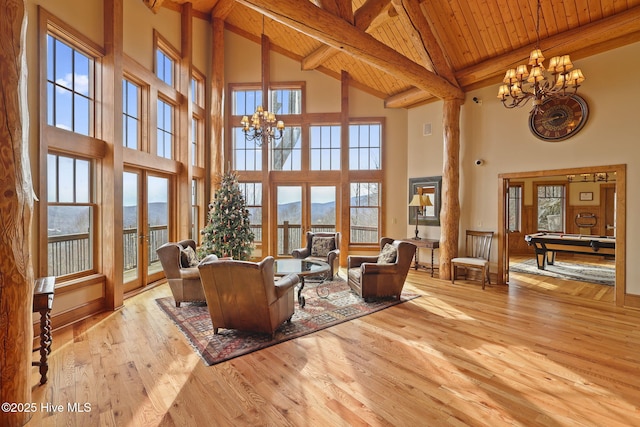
477 252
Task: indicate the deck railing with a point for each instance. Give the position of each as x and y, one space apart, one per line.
72 253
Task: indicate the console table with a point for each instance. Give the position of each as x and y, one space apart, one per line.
432 244
42 303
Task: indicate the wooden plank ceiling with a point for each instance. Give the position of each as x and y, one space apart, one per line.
453 44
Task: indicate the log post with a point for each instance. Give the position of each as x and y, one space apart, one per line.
16 208
450 211
216 156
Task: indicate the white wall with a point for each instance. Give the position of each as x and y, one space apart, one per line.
502 138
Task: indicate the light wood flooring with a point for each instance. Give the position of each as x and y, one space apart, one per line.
508 355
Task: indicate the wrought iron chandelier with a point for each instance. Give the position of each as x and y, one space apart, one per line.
521 84
263 127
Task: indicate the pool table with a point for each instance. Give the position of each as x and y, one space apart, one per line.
547 244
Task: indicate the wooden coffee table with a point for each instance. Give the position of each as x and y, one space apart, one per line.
303 268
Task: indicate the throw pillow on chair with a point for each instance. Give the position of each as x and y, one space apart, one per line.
388 254
321 246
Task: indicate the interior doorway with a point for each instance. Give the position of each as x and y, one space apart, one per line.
611 203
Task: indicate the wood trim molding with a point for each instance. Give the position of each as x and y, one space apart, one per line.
621 297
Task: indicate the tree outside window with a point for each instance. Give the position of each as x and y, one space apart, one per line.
551 208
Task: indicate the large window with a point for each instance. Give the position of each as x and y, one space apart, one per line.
245 101
515 208
195 212
551 207
197 131
325 148
70 101
165 129
365 146
70 212
285 101
364 212
286 153
252 192
247 156
130 115
309 156
165 67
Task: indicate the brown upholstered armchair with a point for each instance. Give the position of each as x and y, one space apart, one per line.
243 295
321 247
381 275
184 280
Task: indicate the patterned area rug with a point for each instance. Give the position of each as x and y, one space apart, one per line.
585 273
337 304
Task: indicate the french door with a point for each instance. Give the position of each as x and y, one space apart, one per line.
145 226
300 208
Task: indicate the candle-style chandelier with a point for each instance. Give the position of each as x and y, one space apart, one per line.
263 127
521 84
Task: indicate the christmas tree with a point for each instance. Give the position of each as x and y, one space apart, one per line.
228 233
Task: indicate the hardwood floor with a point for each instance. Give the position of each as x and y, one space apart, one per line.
553 286
508 355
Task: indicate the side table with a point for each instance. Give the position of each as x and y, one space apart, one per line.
42 303
423 243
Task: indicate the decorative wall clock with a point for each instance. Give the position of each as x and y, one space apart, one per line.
559 118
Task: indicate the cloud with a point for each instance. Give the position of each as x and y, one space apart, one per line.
81 80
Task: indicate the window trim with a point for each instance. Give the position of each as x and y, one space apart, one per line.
93 218
519 185
564 204
160 43
362 245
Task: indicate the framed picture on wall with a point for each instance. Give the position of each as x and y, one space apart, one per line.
586 195
428 187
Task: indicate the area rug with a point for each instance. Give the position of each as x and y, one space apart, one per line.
327 304
564 270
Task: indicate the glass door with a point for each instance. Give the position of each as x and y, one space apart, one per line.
157 222
288 219
322 209
145 226
131 229
301 208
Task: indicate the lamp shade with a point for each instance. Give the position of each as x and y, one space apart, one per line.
420 200
415 201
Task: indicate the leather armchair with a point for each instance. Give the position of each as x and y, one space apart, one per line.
243 295
333 256
370 280
184 282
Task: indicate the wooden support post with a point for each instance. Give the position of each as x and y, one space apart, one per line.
214 148
450 211
16 208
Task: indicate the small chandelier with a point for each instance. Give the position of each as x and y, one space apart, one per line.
520 84
263 127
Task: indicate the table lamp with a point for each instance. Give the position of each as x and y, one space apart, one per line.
419 201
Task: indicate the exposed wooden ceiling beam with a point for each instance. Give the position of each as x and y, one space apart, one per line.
411 14
363 18
154 5
340 8
624 27
222 8
578 39
413 32
408 98
323 26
